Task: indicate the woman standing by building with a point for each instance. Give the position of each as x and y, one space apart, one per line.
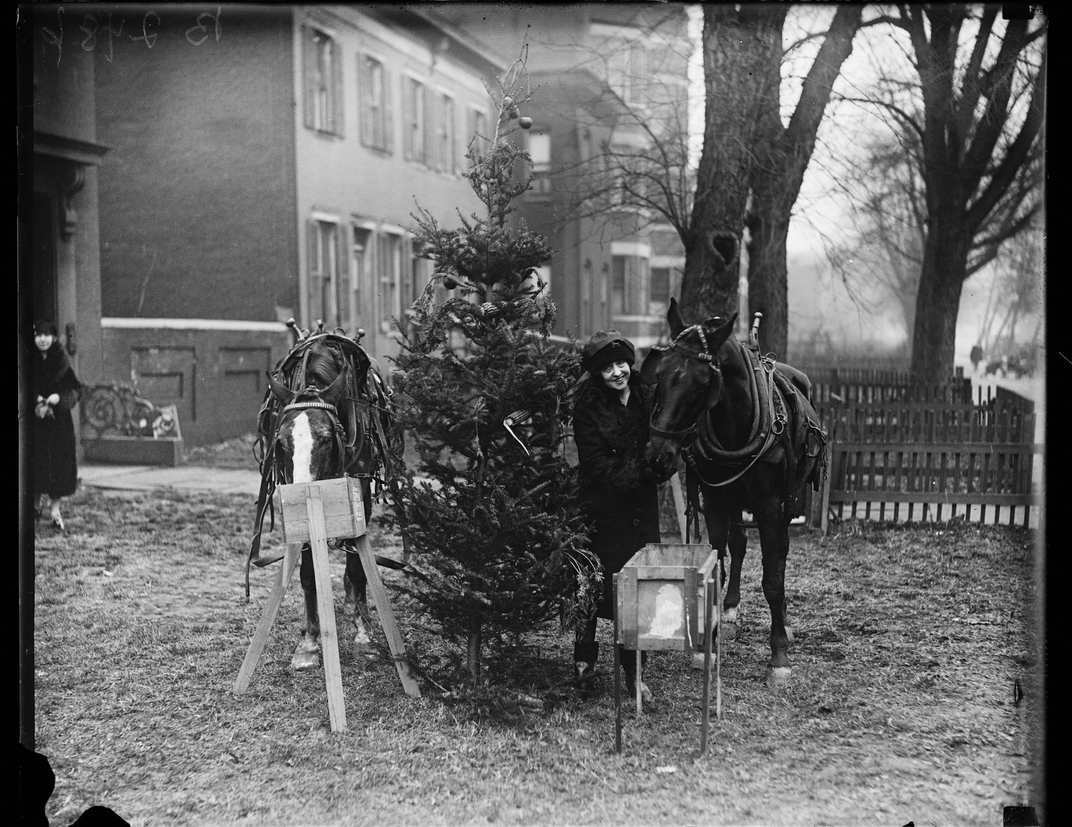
56 391
618 488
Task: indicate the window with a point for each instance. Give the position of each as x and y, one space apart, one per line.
479 137
323 83
389 278
446 136
360 257
414 114
659 295
324 301
618 279
374 101
540 153
636 73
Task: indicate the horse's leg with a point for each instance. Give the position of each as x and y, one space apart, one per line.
774 540
738 547
357 606
724 525
307 653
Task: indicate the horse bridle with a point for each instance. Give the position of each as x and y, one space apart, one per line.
704 356
333 415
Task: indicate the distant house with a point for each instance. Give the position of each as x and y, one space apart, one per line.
606 76
264 163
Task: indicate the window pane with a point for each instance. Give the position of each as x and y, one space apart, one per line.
659 300
617 287
415 120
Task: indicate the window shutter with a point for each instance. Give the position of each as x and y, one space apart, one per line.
431 129
309 60
470 132
407 119
337 108
364 100
312 282
388 112
342 277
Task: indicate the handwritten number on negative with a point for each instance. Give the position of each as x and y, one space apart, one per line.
203 28
53 39
90 41
149 39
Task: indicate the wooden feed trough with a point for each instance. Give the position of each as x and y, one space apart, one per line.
665 599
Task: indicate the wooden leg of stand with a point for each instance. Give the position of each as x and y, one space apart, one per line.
617 679
708 627
387 618
264 626
329 636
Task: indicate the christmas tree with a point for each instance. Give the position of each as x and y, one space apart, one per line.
496 537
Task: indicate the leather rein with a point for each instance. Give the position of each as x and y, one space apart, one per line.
767 425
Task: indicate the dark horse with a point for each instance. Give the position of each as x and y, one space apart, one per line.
750 440
325 415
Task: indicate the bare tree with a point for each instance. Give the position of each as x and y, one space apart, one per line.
885 252
976 109
751 166
783 152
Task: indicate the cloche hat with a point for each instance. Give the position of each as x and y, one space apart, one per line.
605 347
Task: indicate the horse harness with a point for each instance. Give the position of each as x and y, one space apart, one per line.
309 398
770 420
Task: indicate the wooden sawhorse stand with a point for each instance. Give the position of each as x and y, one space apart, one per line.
314 513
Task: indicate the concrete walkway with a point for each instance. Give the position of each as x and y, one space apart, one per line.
183 478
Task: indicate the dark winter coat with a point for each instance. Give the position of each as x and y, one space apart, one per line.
54 458
618 489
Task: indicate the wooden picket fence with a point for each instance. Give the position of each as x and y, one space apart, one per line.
910 452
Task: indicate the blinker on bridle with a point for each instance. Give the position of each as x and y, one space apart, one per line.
704 356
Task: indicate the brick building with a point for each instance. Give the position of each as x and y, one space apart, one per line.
264 163
256 163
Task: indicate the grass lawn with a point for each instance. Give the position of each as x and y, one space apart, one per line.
915 696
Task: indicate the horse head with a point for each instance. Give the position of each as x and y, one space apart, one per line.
309 435
688 380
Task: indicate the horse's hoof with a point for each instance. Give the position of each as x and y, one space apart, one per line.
728 631
305 659
779 675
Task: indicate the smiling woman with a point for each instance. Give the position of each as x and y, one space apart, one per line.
618 488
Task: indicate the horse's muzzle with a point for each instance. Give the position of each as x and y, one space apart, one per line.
661 455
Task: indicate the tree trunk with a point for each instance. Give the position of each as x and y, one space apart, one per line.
784 153
937 305
768 280
735 39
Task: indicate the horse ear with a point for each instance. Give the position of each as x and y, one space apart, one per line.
333 392
651 364
717 337
673 317
279 390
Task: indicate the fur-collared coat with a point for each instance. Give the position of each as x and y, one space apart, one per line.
54 458
618 489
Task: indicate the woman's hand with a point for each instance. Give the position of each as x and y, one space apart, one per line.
54 399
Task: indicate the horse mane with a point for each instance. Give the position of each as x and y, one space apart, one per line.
321 369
